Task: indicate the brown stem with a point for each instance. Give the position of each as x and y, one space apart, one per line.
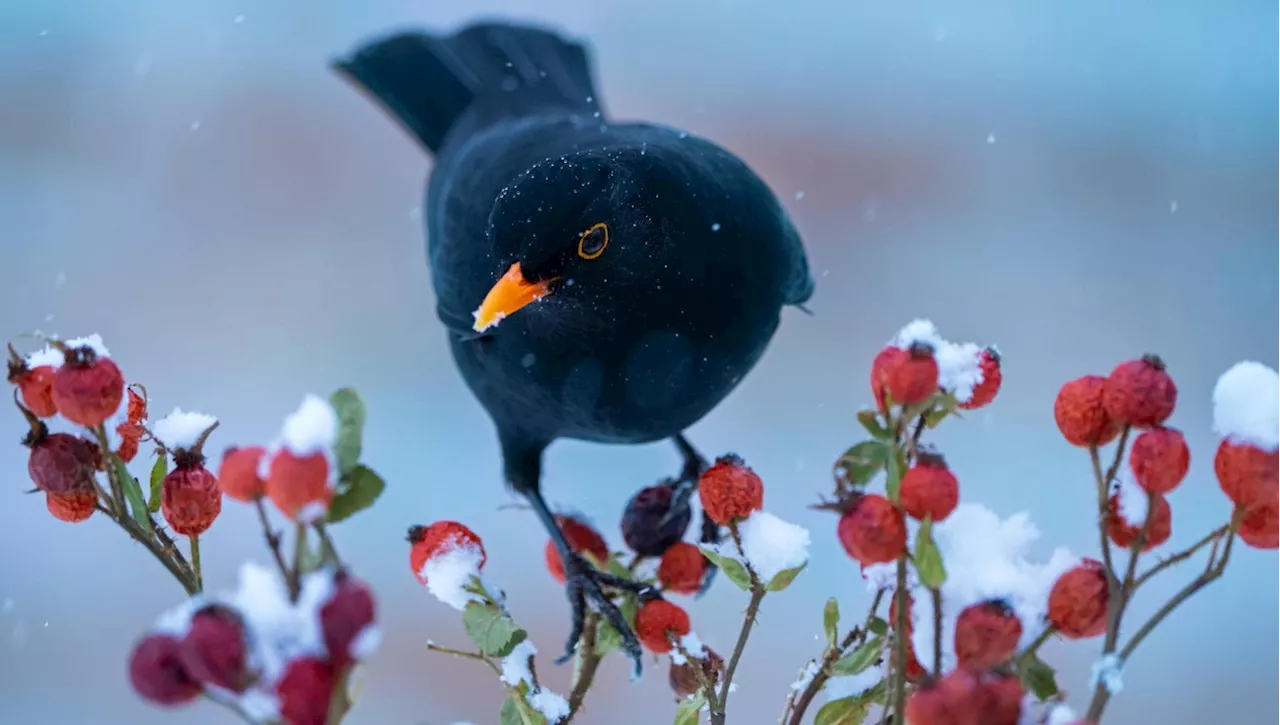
589 661
937 632
753 608
433 647
194 540
176 566
1037 643
273 538
117 486
899 684
856 636
1211 538
1103 494
326 542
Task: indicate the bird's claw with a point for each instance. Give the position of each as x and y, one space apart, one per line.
584 583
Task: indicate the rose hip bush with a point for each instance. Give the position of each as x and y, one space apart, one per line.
956 616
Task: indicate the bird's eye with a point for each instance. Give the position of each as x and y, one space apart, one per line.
592 242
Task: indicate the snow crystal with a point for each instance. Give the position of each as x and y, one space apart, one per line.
959 364
986 558
50 356
850 685
365 643
312 427
806 676
1109 671
515 666
772 545
450 570
1246 405
1132 499
180 429
552 705
691 644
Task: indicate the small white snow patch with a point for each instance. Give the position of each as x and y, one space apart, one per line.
259 706
771 545
1060 715
450 570
1110 672
1132 500
806 676
365 643
850 685
50 356
177 620
181 429
279 630
918 330
311 428
880 576
1246 405
552 705
312 512
515 666
691 644
93 342
959 363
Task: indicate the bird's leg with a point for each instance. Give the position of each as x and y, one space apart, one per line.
584 583
690 472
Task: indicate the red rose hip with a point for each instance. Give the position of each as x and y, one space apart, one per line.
987 635
915 376
643 529
213 650
1080 415
238 475
1159 459
929 488
1123 530
72 507
872 530
985 391
681 568
190 500
583 539
88 388
1140 393
658 622
730 490
305 692
347 621
1246 473
157 673
1078 601
428 542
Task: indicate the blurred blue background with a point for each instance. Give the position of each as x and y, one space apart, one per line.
1078 182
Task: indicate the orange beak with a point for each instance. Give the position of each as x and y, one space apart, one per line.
511 292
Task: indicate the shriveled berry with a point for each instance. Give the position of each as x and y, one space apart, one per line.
214 650
299 485
61 463
35 385
440 538
305 691
642 529
915 376
1246 473
987 634
882 367
681 568
730 490
583 539
1140 393
190 500
684 678
72 507
1159 459
1080 414
1260 527
872 530
658 622
347 621
238 475
985 391
88 388
1078 601
157 673
1123 530
929 489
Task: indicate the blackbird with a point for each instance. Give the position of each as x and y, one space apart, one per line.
599 280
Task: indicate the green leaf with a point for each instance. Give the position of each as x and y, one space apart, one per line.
617 568
158 472
491 629
867 654
517 711
783 579
941 405
732 568
845 711
927 558
1037 677
858 465
133 492
831 621
357 492
897 465
351 416
870 420
878 626
690 710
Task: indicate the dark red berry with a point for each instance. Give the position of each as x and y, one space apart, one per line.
987 635
305 692
157 673
640 521
347 621
214 651
190 500
60 463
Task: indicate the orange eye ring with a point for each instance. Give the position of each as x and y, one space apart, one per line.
592 243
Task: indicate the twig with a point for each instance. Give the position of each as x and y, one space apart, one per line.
194 540
798 705
177 566
937 631
899 687
326 543
273 538
299 550
433 647
117 486
753 608
1101 484
1213 537
1037 643
584 673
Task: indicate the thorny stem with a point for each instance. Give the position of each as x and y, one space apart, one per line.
588 661
705 682
797 705
117 486
1213 537
273 538
1101 696
176 565
195 560
753 608
899 687
1108 567
937 632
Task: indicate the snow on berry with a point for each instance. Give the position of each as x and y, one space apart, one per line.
769 545
962 367
49 356
730 490
1080 414
1140 393
157 673
1078 601
642 529
306 690
872 530
929 488
1127 511
35 384
238 476
279 630
182 430
987 634
88 388
1246 405
190 499
583 539
312 428
301 476
1159 459
347 621
446 556
214 650
681 568
658 622
72 507
988 384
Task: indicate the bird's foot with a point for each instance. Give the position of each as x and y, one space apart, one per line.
584 583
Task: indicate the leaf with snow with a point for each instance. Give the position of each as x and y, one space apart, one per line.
831 621
491 629
857 661
357 491
775 549
732 568
845 711
861 463
351 413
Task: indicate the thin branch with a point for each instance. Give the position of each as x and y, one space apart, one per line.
1037 643
584 672
326 543
273 538
433 647
856 636
195 560
1101 485
1211 538
899 685
937 632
